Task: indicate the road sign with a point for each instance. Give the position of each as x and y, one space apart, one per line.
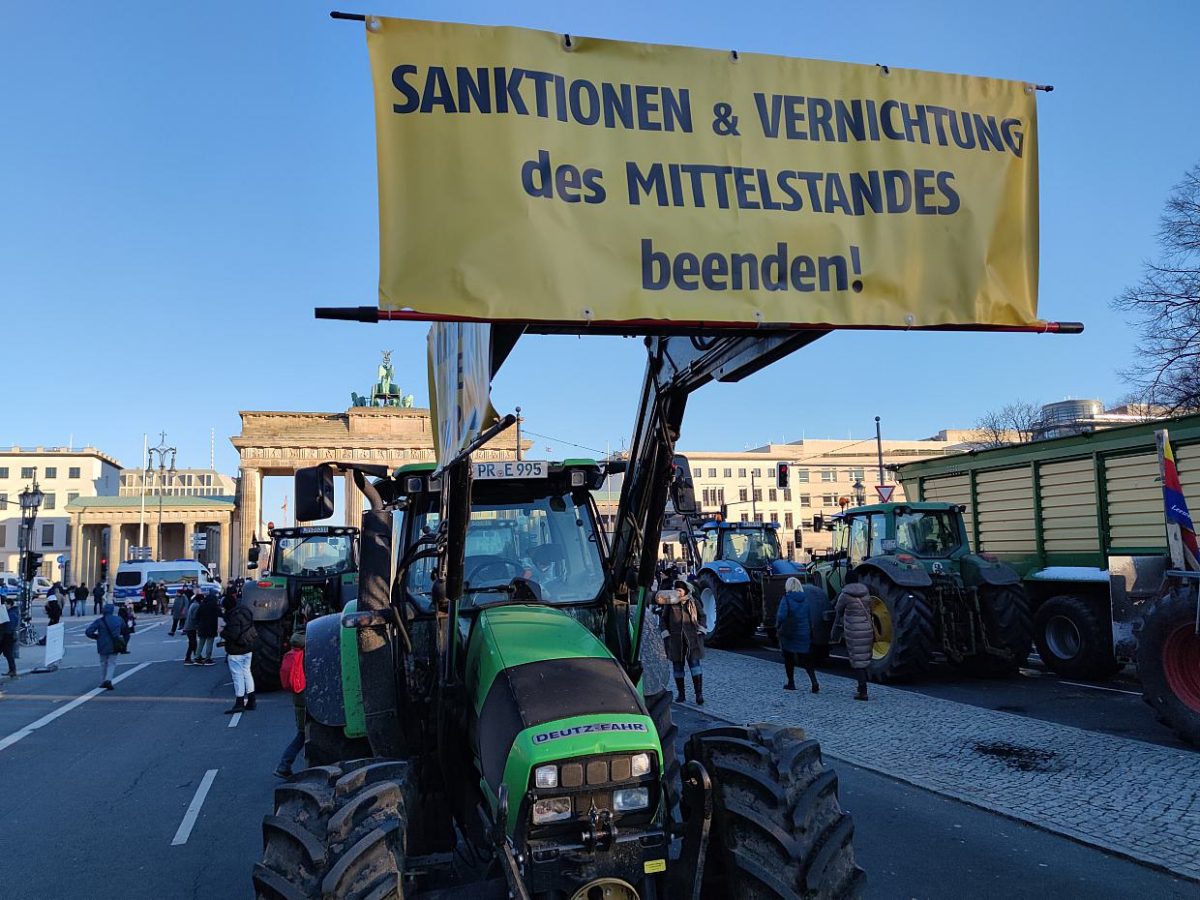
61 559
885 492
199 541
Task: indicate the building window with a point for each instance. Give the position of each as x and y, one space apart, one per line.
48 534
28 472
758 517
728 473
743 494
800 475
787 520
806 523
829 499
3 537
858 475
697 472
3 471
757 473
787 495
806 500
745 517
48 501
51 472
72 496
758 494
772 495
3 501
712 473
791 549
741 473
771 472
73 472
828 475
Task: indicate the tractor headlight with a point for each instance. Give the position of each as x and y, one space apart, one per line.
641 764
546 776
553 809
628 799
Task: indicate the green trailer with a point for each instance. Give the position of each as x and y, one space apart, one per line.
1082 519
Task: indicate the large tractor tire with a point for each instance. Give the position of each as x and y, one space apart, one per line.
269 647
904 630
1008 625
337 831
727 610
1168 663
659 707
327 745
1073 640
777 829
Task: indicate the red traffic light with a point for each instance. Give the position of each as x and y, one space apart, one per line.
783 473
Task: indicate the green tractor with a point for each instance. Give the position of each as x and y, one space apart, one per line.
930 595
312 570
492 666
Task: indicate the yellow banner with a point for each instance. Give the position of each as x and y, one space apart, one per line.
526 176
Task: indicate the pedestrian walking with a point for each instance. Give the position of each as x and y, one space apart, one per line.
80 604
189 628
10 623
108 632
291 677
126 615
853 616
207 617
681 619
239 637
162 599
179 609
98 598
793 628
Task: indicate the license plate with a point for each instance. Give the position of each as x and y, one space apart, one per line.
511 468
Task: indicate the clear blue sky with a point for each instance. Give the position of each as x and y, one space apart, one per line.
182 183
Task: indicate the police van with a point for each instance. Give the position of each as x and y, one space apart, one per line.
133 576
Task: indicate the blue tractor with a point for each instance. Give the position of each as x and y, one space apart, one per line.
740 574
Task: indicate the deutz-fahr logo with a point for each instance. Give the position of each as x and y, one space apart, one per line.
587 729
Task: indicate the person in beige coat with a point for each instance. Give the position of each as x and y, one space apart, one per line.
853 614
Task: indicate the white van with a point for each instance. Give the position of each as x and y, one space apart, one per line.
175 573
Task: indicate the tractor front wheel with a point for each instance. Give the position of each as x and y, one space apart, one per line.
904 632
337 831
1008 626
727 612
269 647
1073 640
777 828
1168 663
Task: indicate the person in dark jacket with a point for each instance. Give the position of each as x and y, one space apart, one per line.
239 636
97 598
681 621
125 614
207 617
54 609
81 595
179 608
10 623
793 627
105 631
191 658
853 611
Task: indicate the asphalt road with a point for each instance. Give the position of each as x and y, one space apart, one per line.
1113 706
99 784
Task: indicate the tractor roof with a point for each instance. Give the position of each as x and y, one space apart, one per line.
739 526
309 530
888 507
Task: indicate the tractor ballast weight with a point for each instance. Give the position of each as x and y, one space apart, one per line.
931 597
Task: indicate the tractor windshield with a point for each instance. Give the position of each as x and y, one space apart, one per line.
313 555
751 548
551 542
924 533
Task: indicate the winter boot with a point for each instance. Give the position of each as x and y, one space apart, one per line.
239 704
698 684
251 702
679 695
862 692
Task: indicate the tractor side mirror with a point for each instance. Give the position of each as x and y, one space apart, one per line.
252 557
314 493
683 492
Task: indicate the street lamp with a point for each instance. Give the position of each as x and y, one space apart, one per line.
31 501
162 450
860 493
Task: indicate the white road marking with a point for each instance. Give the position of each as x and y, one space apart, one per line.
64 709
193 810
237 717
1097 687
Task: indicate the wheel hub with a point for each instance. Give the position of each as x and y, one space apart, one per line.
606 889
1063 637
1181 665
881 624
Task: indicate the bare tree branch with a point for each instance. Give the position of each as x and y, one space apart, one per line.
1017 422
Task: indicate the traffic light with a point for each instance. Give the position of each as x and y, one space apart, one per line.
33 562
782 474
724 514
104 569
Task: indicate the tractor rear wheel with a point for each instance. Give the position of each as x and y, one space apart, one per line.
1168 663
659 706
904 632
727 610
326 745
337 831
777 829
1073 640
268 654
1008 626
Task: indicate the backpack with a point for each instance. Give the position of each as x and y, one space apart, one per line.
291 671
